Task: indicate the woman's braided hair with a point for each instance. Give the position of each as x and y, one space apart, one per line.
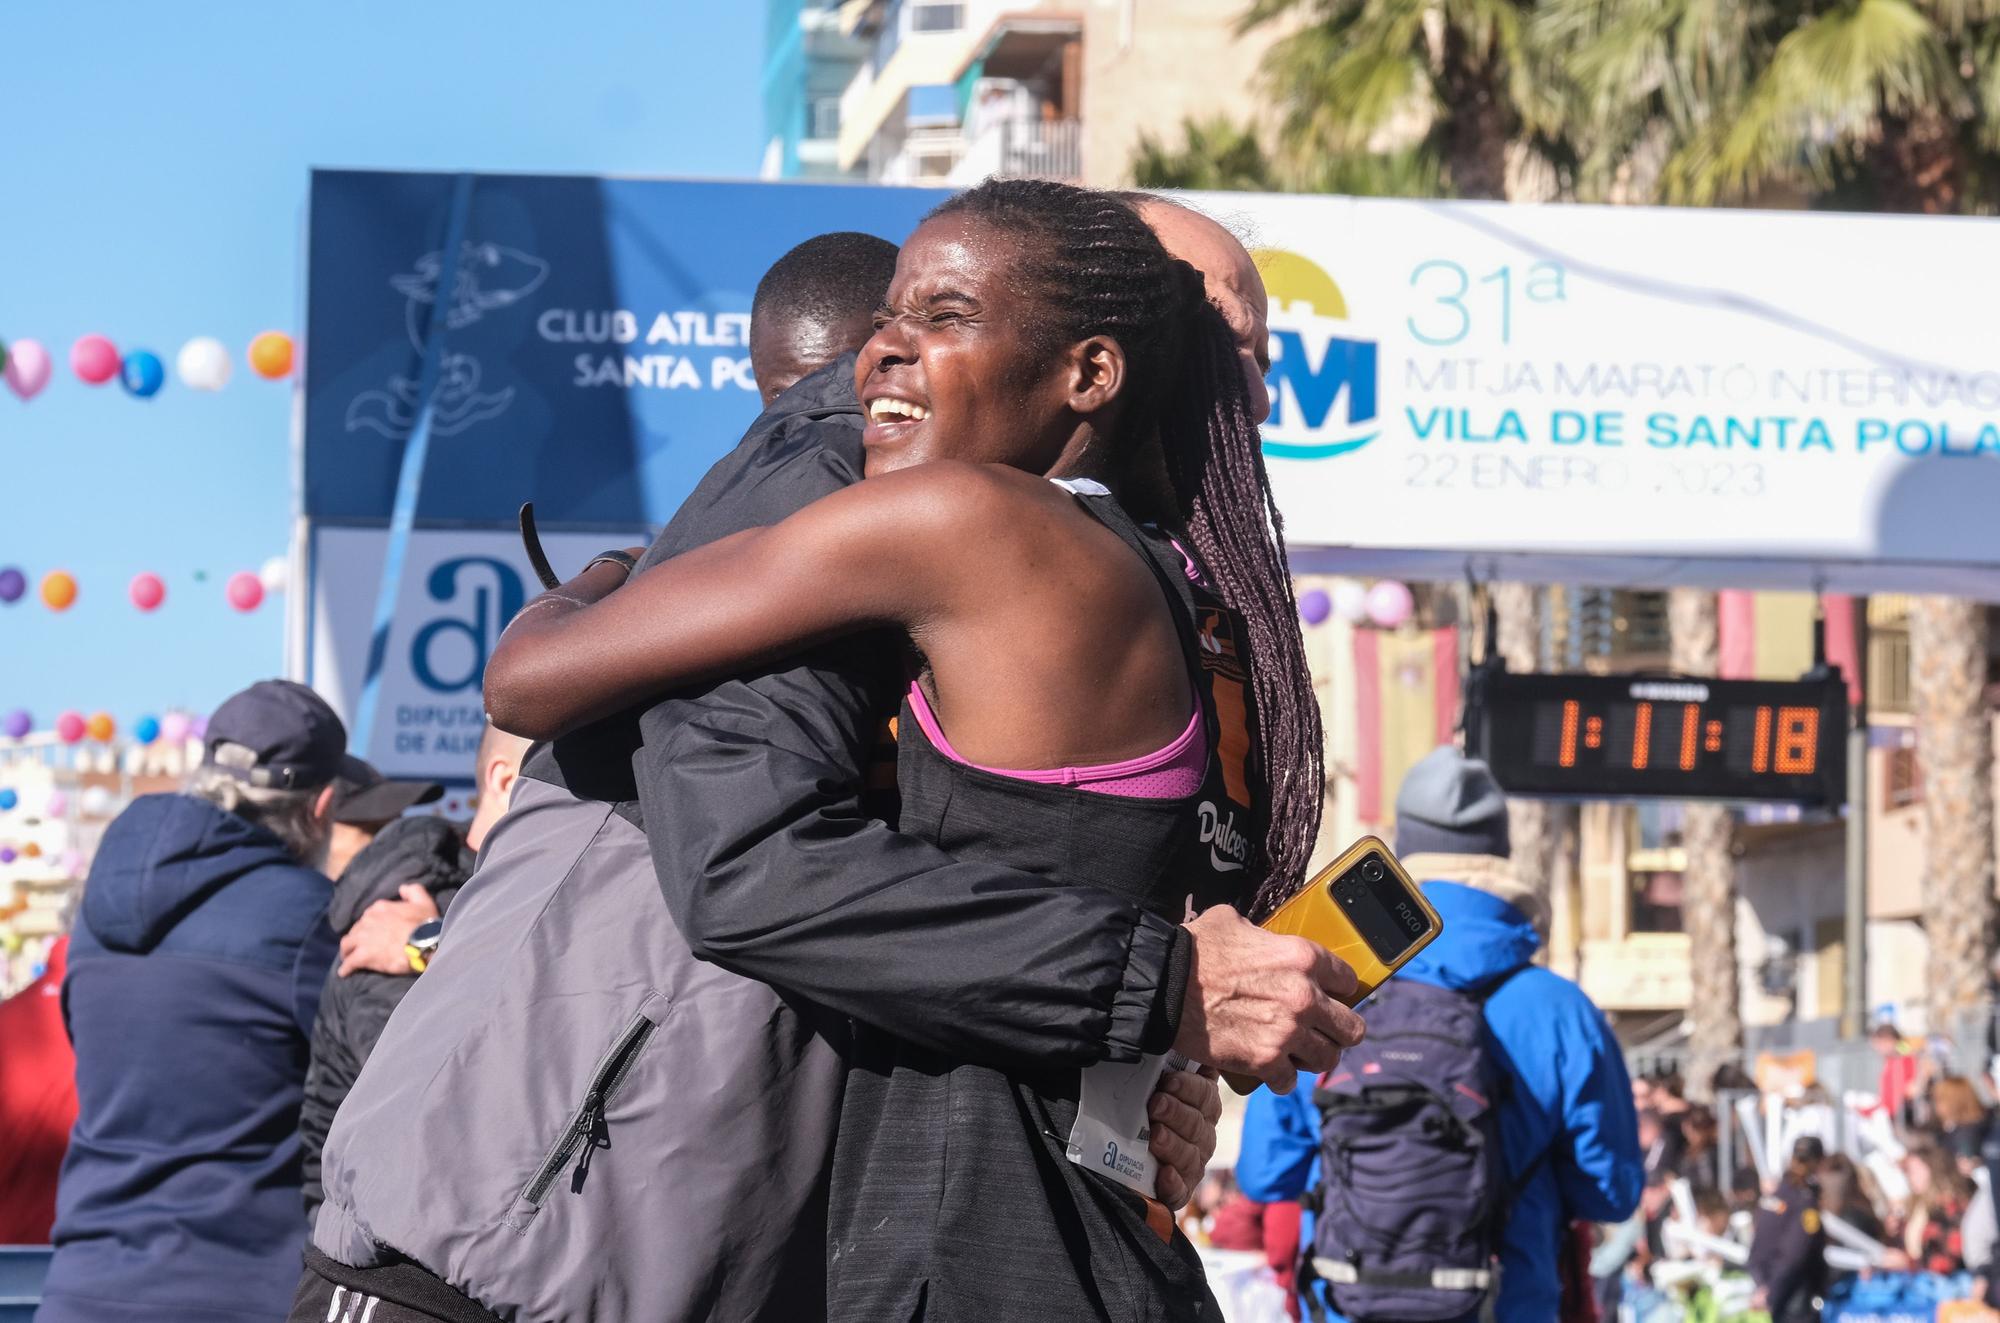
1097 269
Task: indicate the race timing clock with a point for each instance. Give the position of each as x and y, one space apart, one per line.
1647 737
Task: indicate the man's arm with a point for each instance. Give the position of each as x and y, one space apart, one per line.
1280 1141
1598 1164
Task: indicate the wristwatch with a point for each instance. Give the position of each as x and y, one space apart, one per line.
423 944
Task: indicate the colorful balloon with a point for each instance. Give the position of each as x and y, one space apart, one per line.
1390 604
1315 606
203 364
3 356
94 359
28 368
245 591
8 799
58 590
1350 601
275 574
148 591
56 805
70 727
143 373
198 728
97 802
174 727
7 855
102 728
271 355
18 723
146 729
72 863
13 585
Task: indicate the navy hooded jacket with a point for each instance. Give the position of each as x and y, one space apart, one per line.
1569 1097
195 971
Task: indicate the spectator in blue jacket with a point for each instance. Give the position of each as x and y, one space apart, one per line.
194 973
1566 1122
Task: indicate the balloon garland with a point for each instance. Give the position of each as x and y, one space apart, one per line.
203 364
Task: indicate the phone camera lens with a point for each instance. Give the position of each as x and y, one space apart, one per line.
1372 870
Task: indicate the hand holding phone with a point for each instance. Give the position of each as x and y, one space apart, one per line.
1364 909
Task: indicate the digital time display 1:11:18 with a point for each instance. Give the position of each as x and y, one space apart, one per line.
1586 736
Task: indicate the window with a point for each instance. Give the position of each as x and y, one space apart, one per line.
1905 778
1656 902
823 117
933 105
935 17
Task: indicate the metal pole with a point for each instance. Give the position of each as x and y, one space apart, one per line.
1854 992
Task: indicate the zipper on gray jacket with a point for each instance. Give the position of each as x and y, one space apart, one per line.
588 1129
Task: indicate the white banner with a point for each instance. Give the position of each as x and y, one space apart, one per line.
459 589
1633 395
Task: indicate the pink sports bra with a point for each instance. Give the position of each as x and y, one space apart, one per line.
1173 772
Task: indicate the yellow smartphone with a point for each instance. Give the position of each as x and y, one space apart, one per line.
1365 909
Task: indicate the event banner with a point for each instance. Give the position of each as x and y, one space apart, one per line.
1633 395
595 353
458 590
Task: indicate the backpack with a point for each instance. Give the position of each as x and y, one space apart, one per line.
1412 1190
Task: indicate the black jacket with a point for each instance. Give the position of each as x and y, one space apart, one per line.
353 1010
1788 1249
750 791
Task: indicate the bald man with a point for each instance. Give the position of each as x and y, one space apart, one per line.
1234 286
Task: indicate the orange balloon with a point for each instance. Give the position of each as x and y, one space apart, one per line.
58 590
31 850
101 727
271 355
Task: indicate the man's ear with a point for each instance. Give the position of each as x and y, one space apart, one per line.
323 806
497 777
1097 374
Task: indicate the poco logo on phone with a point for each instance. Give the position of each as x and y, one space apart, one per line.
1322 377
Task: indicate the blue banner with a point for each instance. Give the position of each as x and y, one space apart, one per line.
595 345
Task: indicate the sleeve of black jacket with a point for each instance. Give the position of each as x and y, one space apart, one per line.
354 1010
750 792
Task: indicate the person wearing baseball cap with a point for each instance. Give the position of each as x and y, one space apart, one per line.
364 802
196 964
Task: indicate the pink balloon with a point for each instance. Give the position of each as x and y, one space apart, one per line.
57 805
245 591
94 359
28 368
174 727
1390 604
72 862
70 727
148 591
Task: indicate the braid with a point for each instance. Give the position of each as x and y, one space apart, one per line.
1215 457
1098 269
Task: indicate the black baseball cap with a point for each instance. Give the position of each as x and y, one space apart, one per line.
280 735
373 797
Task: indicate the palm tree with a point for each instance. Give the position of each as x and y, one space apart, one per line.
1890 105
1214 154
1454 81
1955 744
1217 154
1708 897
1886 105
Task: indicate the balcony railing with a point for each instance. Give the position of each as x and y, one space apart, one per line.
1023 149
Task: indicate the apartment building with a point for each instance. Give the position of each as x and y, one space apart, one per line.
948 92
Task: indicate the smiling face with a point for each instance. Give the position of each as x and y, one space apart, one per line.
954 369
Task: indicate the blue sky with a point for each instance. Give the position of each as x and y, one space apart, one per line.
153 171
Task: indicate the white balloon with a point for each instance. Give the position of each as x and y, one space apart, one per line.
275 574
1350 601
203 364
97 802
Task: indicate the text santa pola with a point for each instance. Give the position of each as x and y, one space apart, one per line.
684 349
